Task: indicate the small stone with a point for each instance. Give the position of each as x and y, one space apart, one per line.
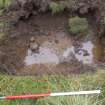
70 58
34 46
32 39
85 53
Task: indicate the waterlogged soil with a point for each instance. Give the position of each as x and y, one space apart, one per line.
42 45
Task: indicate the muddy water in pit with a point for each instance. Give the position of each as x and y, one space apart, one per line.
49 52
87 53
54 55
57 51
48 55
58 54
83 53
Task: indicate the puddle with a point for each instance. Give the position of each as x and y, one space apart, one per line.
49 52
87 53
83 54
45 56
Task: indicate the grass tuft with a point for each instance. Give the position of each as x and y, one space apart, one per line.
78 26
56 8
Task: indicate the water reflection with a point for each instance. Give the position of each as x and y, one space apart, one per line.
45 56
87 53
83 54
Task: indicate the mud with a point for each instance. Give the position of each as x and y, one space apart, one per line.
52 57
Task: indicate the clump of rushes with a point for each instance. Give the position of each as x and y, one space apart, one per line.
78 26
56 7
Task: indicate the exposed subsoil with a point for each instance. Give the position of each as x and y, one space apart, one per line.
43 28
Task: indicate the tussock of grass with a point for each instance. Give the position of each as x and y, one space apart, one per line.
11 85
78 26
55 7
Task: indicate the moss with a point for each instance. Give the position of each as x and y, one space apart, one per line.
4 3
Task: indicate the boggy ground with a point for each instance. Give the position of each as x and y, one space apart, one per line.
45 30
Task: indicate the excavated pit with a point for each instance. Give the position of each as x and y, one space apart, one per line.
42 45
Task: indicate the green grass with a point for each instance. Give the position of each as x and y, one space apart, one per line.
56 7
4 3
11 85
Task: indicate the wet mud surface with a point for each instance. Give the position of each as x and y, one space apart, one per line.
42 45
